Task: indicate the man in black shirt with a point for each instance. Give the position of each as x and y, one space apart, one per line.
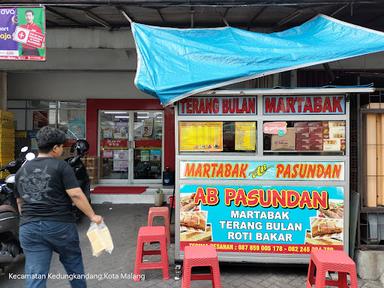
46 187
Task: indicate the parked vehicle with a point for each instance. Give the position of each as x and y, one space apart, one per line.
9 215
81 148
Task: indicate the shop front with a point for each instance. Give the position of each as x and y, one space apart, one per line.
263 175
131 139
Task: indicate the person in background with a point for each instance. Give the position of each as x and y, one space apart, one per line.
26 49
46 187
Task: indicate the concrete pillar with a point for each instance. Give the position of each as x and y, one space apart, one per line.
3 90
370 265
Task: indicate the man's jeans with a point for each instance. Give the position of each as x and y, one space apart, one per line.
39 239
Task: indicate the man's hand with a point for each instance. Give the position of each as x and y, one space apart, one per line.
82 203
96 219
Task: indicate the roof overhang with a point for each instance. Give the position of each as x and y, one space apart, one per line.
288 91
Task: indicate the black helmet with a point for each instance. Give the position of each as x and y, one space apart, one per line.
81 147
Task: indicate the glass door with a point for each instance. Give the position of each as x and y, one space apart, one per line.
114 145
131 146
148 144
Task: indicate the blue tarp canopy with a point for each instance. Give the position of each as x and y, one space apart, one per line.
176 63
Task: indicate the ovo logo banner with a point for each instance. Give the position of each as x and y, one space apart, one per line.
22 33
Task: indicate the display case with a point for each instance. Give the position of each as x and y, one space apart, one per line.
263 177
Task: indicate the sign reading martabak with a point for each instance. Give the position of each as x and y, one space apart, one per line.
22 33
300 104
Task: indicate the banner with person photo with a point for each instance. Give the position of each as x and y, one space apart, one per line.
22 33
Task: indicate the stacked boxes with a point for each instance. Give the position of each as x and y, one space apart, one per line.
309 136
315 136
337 134
91 163
312 136
7 139
302 136
334 140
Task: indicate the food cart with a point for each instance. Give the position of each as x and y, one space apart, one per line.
263 174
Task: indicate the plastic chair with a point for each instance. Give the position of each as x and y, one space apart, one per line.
200 256
150 234
160 212
322 261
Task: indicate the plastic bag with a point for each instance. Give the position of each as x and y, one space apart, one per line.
100 238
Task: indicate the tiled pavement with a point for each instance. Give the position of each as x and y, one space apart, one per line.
123 222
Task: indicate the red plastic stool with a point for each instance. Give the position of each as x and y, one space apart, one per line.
335 261
160 212
150 234
200 256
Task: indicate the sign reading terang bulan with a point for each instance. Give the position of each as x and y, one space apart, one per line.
218 106
300 104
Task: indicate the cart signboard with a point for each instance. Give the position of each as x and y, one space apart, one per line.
262 170
230 106
299 104
270 182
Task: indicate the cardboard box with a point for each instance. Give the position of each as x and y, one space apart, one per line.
7 132
316 141
285 142
93 180
91 161
316 147
6 115
331 145
315 124
302 135
66 153
92 171
337 132
303 147
316 130
304 129
302 141
315 137
336 124
300 124
342 144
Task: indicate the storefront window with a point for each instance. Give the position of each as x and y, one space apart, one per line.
148 134
40 104
131 145
71 119
228 136
114 144
306 137
31 115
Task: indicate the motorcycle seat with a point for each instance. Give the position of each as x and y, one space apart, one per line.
7 208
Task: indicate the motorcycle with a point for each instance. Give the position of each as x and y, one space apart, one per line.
81 148
9 215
